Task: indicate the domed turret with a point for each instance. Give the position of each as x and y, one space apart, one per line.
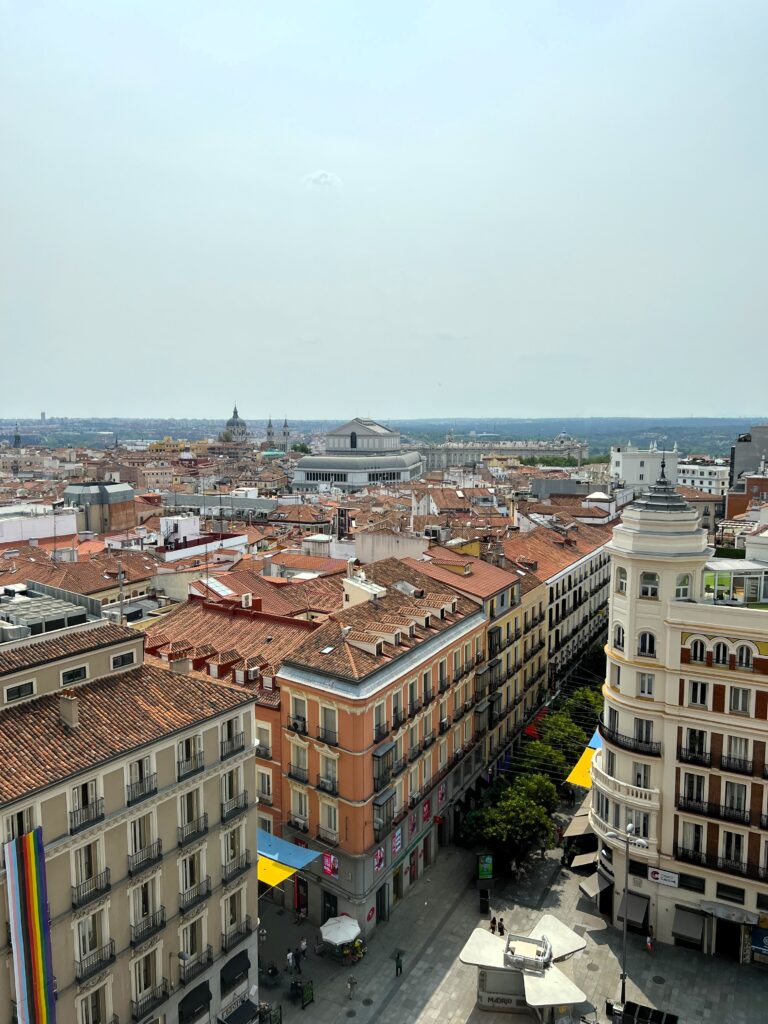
237 427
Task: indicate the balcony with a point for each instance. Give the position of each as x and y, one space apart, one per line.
328 784
236 935
141 789
329 736
414 752
741 765
195 896
298 772
298 822
710 810
689 755
459 713
398 765
429 739
414 708
145 857
150 1000
95 962
236 867
192 830
83 817
726 864
91 889
637 746
444 725
190 765
328 835
264 797
236 805
380 731
195 965
479 658
263 751
147 927
297 723
398 717
232 745
468 704
414 799
381 780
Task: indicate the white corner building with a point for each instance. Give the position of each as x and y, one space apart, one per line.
684 731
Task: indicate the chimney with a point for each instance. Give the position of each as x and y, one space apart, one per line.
69 710
181 666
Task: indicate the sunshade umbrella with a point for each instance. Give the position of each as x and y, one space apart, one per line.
339 930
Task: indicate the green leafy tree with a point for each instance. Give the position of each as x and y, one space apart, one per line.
516 825
303 448
564 735
584 707
225 435
538 757
538 788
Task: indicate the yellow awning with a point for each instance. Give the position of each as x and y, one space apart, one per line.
580 775
272 873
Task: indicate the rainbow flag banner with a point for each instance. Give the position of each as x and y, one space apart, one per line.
30 929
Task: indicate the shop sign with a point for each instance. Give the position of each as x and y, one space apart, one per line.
441 794
485 865
663 877
397 841
378 859
331 865
411 825
426 810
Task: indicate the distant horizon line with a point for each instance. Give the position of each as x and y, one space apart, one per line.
753 419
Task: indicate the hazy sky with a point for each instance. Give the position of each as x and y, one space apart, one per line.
395 209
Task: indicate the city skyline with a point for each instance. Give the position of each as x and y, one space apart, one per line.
403 198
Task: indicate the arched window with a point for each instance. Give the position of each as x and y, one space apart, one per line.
698 651
744 657
618 637
621 581
683 587
353 439
649 584
646 646
720 654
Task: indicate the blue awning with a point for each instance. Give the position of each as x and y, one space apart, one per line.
596 743
288 854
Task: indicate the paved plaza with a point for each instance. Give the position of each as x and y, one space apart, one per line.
434 921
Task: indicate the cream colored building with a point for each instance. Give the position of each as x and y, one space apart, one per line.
143 782
684 731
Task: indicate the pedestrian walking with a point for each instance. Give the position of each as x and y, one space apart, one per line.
297 960
303 947
501 926
649 940
289 961
493 925
351 984
398 964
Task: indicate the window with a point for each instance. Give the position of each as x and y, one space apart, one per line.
698 651
74 675
141 833
697 693
642 476
265 823
144 974
143 901
720 654
644 730
693 837
683 587
126 658
618 637
732 893
646 646
18 823
738 748
646 684
733 847
640 820
609 762
693 883
299 711
736 796
299 805
649 584
264 785
19 691
621 581
693 786
744 657
739 700
641 774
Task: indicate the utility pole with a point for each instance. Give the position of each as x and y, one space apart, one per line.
122 588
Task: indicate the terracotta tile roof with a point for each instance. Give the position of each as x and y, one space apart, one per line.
478 578
545 547
309 563
117 714
63 645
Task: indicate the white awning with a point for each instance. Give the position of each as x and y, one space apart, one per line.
585 860
564 941
483 949
579 826
638 909
594 885
688 925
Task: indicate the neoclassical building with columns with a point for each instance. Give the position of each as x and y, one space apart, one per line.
684 731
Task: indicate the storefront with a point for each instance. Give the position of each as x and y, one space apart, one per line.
636 906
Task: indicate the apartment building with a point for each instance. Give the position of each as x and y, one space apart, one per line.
381 730
709 476
513 679
684 733
142 781
573 563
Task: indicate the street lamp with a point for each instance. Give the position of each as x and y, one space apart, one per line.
182 957
629 835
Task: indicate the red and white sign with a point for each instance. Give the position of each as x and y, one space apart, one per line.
663 877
